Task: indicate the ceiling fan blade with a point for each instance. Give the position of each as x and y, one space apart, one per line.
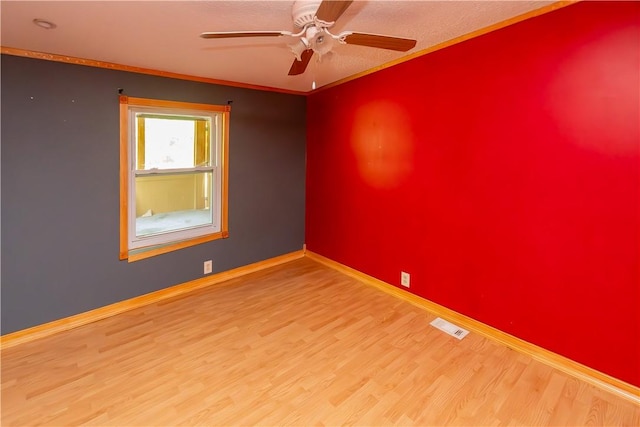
382 42
331 10
298 67
232 34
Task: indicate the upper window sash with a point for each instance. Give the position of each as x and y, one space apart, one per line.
205 128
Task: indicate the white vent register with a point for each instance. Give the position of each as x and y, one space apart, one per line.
449 328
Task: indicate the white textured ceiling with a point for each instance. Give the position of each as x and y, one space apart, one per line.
164 35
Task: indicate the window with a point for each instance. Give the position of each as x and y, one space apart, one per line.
173 176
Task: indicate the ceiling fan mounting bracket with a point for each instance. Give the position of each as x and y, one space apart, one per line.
303 12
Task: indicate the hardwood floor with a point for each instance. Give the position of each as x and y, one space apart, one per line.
298 344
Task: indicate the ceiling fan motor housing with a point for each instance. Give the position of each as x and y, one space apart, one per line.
303 12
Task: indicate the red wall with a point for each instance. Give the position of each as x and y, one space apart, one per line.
502 173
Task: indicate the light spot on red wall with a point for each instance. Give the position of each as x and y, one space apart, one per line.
382 141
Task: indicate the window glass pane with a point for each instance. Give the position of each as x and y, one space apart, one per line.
171 143
172 202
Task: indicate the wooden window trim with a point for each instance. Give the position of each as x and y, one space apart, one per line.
125 103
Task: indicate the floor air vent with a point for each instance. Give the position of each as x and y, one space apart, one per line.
449 328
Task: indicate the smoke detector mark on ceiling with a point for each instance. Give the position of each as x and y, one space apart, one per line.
43 23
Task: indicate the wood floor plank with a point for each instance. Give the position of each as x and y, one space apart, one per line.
297 344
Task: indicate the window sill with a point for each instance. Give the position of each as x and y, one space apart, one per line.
144 253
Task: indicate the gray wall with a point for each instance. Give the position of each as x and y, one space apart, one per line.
60 138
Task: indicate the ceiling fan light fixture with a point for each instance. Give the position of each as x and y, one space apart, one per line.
298 47
323 45
311 32
319 39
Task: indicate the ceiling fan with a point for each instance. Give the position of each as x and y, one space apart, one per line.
314 18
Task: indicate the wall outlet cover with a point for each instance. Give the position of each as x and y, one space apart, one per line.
405 279
208 267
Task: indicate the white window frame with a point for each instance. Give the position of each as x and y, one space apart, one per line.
133 247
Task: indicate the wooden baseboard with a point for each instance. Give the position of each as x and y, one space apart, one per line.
44 330
566 365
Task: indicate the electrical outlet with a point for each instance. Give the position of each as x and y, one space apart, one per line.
405 279
208 267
